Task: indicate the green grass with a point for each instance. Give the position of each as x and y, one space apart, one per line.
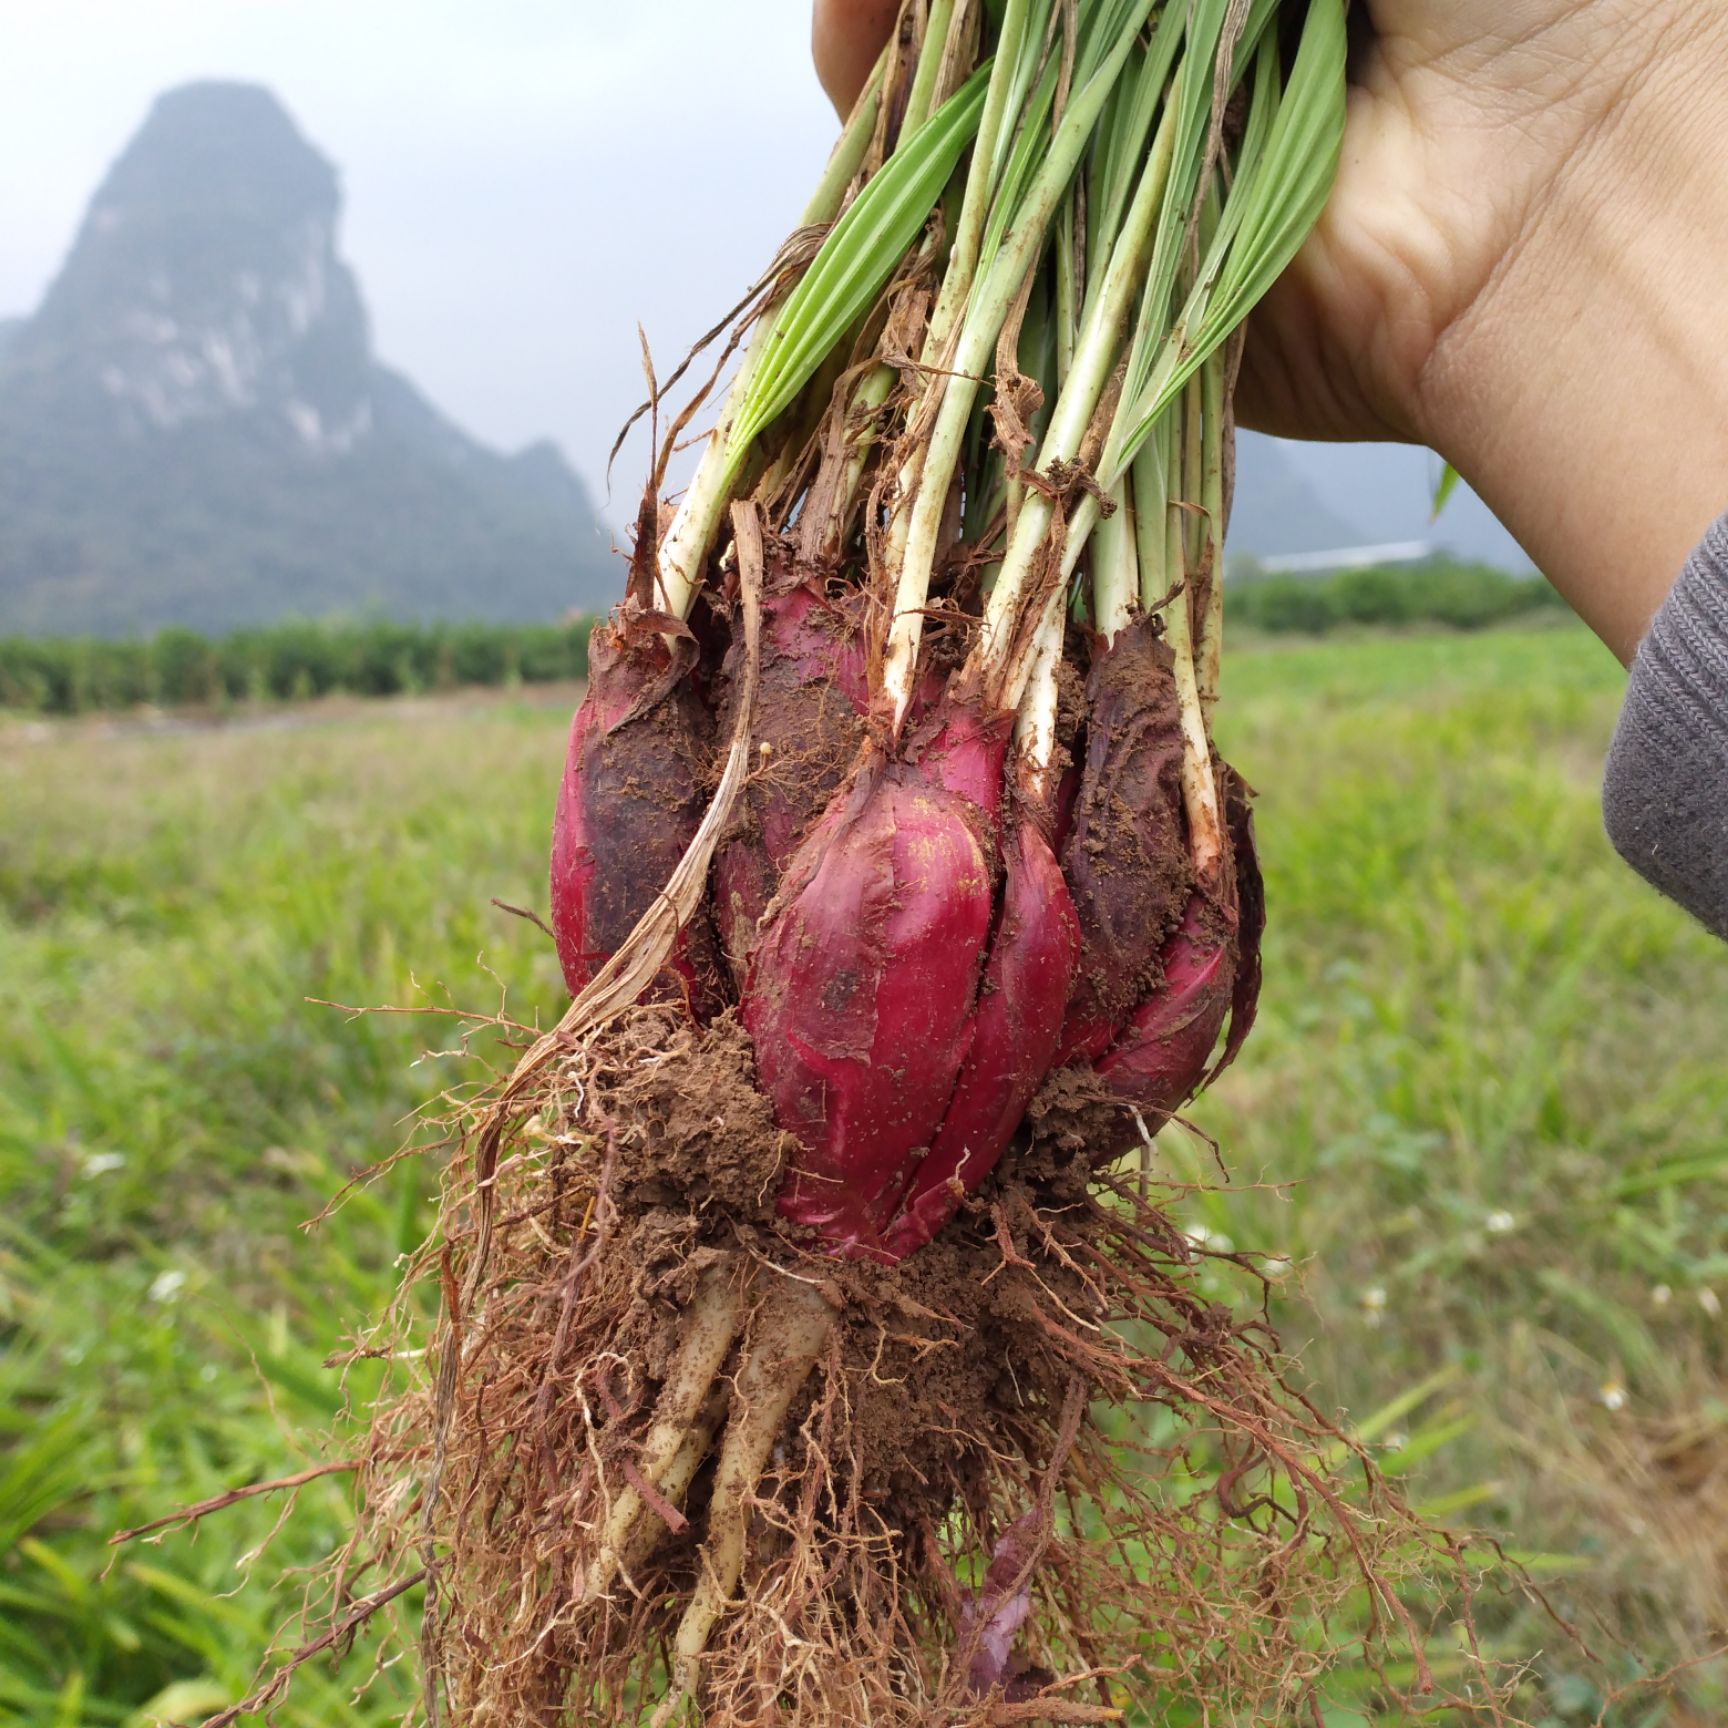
1488 1072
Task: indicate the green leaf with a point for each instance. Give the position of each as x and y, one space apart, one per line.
1448 484
1124 145
1043 160
855 261
1283 180
181 1701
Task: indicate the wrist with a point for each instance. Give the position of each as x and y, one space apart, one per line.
1584 393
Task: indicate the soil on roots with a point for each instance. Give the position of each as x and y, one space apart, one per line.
1034 1476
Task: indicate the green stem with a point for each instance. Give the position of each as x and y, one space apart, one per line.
1115 566
1193 459
1152 467
1211 650
866 401
992 300
1035 727
980 184
921 100
1094 359
850 148
1036 360
1068 291
959 278
1175 517
1285 165
1151 473
1125 139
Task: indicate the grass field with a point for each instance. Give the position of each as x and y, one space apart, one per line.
1489 1083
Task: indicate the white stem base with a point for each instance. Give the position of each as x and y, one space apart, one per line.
789 1333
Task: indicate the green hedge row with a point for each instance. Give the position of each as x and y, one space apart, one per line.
283 662
1457 596
292 661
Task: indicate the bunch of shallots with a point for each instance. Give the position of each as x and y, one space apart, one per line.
944 597
982 435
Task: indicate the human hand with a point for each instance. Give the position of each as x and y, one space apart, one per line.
1523 264
845 38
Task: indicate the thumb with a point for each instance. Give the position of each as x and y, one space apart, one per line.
845 38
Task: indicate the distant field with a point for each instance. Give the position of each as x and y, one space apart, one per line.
1489 1074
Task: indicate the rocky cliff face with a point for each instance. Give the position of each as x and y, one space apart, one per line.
194 428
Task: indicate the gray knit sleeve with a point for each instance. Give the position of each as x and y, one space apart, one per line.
1665 796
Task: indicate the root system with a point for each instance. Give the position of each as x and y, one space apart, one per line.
1032 1476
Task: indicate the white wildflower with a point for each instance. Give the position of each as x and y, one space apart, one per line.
1212 1241
165 1286
1612 1395
1499 1223
1710 1302
100 1163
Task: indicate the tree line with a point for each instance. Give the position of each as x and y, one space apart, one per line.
1436 592
285 662
296 660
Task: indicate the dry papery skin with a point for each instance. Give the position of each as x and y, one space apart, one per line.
1034 1477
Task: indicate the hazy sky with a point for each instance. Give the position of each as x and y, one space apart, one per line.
524 179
